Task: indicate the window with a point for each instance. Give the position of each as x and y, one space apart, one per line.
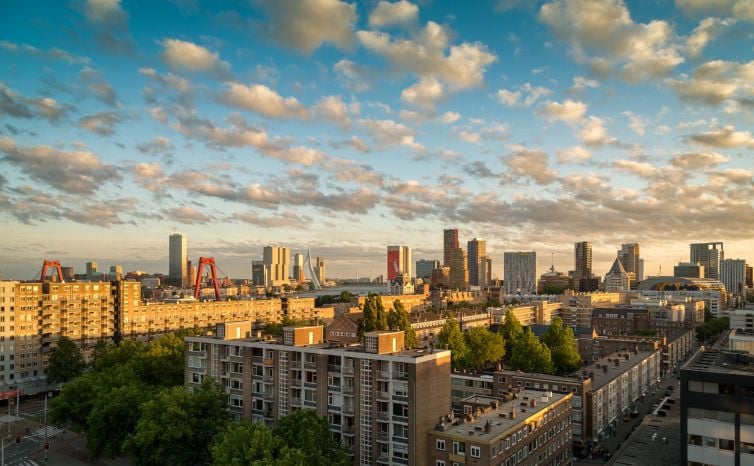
476 452
440 445
710 442
695 440
726 444
747 448
439 463
459 448
725 389
399 409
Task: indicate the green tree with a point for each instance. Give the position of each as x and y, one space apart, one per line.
451 337
160 363
398 320
511 330
375 316
345 296
561 341
483 347
66 362
310 433
72 407
177 426
531 355
244 443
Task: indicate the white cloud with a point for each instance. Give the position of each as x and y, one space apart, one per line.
263 100
332 108
189 56
307 24
530 93
424 94
470 137
580 84
594 133
102 123
739 9
698 160
103 11
463 67
725 138
641 169
636 123
574 154
508 98
715 82
388 133
529 163
356 77
570 111
603 34
706 32
389 13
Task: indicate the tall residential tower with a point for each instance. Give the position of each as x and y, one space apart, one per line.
520 272
709 255
477 250
177 262
449 243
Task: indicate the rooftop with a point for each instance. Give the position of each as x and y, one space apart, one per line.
493 417
722 361
626 360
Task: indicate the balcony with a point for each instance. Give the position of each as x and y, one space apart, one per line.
310 364
383 436
268 379
385 396
347 409
269 396
384 458
295 382
296 401
268 361
348 370
383 416
348 430
348 390
334 367
384 375
401 375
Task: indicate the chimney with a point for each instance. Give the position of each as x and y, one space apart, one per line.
604 368
617 362
512 414
533 402
487 427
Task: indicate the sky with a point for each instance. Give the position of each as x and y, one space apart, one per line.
345 127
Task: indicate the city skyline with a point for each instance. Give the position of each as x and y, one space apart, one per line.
533 125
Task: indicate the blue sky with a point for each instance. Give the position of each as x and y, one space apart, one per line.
345 127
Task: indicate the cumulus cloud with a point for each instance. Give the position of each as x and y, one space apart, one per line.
354 143
186 215
581 83
594 133
604 35
529 93
332 108
636 123
724 138
570 111
529 163
706 32
100 88
283 220
508 98
261 99
160 145
739 9
388 133
306 24
75 172
641 169
102 123
425 55
574 154
715 82
697 160
180 54
109 23
390 13
424 94
355 76
12 103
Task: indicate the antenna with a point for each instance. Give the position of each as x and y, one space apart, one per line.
552 262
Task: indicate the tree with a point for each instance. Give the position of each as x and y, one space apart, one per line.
562 344
483 347
177 426
244 443
398 320
531 355
66 362
304 430
451 337
375 317
511 330
345 296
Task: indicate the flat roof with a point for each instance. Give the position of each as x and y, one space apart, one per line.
721 361
601 378
493 416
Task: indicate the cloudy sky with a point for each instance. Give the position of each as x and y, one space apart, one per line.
345 127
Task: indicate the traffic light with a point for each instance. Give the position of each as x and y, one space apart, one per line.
18 439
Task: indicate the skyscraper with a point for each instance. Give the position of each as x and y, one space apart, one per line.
477 249
178 255
485 271
583 259
277 261
709 255
258 273
733 276
298 267
319 269
450 242
91 271
520 272
425 267
617 279
459 274
629 259
398 261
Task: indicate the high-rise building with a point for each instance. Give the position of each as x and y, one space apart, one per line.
749 276
709 255
298 267
91 271
583 259
688 270
477 248
449 243
277 261
379 398
398 261
178 255
733 276
629 259
617 279
319 270
259 273
485 271
459 274
520 272
425 267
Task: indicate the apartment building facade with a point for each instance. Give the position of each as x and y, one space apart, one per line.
375 396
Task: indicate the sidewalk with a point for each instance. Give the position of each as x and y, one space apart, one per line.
69 449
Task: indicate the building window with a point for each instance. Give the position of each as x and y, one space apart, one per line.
726 444
476 452
710 442
747 448
440 445
439 463
695 440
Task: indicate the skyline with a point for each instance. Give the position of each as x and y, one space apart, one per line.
346 127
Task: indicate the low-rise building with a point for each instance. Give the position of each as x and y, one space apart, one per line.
525 427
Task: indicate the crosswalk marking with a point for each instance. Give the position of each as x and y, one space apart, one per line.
51 430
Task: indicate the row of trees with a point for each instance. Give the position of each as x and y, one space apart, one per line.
476 348
712 327
132 401
375 317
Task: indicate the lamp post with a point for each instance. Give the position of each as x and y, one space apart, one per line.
2 448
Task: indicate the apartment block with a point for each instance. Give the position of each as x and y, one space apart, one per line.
522 428
374 395
717 409
576 308
7 332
